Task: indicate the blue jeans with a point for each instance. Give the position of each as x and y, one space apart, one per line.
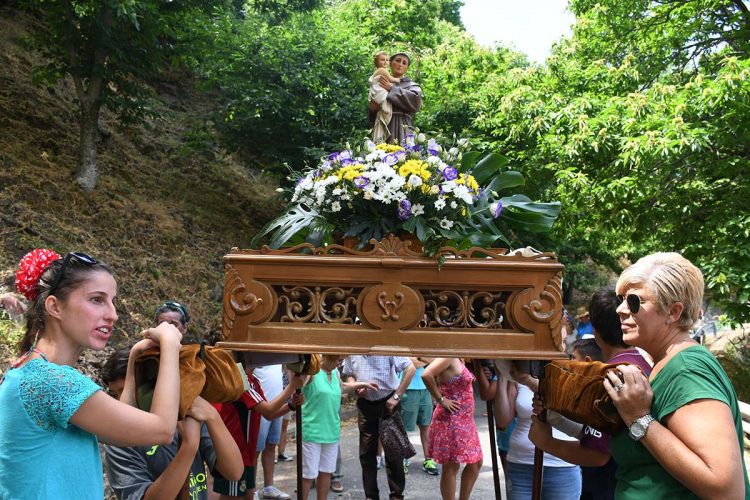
558 483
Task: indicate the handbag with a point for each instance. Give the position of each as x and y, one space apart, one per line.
393 436
575 390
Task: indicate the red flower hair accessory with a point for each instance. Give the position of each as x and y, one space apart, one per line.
30 269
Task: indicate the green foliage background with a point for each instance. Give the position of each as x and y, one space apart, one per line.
638 122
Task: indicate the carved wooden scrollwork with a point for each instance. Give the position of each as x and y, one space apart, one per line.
304 304
392 245
541 306
391 298
390 307
254 299
463 309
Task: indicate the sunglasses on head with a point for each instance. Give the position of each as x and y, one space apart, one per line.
634 302
170 304
80 257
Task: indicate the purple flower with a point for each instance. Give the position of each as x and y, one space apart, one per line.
361 181
408 140
390 159
450 173
404 209
326 165
335 156
496 209
346 154
433 147
346 161
414 149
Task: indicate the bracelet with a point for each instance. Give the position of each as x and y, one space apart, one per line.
442 398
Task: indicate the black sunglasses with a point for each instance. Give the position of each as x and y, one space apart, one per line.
634 302
80 257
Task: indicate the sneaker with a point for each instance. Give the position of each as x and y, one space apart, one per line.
255 496
406 466
273 492
283 458
337 486
430 467
381 462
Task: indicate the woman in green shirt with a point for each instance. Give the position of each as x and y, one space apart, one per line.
684 436
321 425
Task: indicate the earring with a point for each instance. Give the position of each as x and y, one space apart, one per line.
669 321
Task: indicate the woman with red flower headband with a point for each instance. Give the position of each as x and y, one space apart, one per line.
71 308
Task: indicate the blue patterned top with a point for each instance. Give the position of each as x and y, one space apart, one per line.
41 455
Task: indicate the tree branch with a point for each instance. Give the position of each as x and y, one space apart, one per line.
99 59
741 6
30 230
73 60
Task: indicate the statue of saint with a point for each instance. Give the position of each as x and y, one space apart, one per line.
394 99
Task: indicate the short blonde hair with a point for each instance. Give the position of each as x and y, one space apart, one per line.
671 278
381 53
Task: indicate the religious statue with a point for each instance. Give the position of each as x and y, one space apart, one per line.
394 99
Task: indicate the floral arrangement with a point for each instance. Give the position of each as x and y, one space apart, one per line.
440 193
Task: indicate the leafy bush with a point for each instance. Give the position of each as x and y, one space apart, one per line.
736 362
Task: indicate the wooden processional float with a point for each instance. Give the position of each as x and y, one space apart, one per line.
393 300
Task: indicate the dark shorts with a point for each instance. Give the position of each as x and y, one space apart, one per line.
235 488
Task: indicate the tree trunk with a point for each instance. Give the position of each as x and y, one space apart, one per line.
567 287
88 171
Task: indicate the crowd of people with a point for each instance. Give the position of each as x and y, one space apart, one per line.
683 433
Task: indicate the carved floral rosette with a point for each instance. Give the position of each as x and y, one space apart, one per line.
483 303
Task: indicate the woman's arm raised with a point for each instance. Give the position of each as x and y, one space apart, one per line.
121 424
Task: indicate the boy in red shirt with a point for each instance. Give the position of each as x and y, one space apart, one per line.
242 418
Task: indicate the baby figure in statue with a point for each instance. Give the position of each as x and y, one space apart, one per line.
379 95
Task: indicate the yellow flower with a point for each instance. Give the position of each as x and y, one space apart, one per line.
463 211
389 148
469 180
350 172
417 167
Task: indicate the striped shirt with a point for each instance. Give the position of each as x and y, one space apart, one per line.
381 370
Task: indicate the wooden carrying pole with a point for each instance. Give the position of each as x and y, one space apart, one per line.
493 447
298 432
536 485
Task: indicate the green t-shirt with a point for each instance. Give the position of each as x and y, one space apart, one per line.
320 412
692 374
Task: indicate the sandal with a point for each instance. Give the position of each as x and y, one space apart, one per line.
337 486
